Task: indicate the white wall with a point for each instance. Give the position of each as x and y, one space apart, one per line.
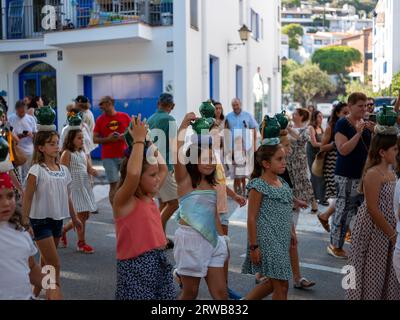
386 44
187 68
97 59
218 25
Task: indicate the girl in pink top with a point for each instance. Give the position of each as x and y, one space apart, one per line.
143 270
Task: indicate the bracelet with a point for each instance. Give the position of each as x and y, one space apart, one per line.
144 143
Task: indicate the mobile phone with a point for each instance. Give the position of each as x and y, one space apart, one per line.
372 117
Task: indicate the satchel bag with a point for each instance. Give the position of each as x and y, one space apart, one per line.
317 168
20 157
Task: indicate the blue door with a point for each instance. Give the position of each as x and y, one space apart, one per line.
39 79
134 93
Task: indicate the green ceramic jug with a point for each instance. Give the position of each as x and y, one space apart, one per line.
207 112
4 149
270 127
387 116
128 138
75 120
282 119
202 124
207 109
45 116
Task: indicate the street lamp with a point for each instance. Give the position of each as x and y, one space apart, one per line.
244 33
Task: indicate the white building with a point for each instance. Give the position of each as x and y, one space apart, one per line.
386 43
136 49
302 16
314 41
350 23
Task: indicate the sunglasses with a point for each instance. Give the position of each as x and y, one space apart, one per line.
370 104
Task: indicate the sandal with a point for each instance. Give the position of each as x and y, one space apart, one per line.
303 284
324 223
260 280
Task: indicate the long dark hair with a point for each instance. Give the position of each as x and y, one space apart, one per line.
215 103
264 153
379 142
333 119
192 168
69 140
313 121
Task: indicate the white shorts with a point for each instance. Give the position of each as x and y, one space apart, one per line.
193 254
169 190
396 263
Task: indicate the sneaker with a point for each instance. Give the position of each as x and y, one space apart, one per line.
63 240
84 248
233 295
177 278
337 253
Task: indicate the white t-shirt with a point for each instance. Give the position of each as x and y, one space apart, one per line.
50 199
27 123
396 206
16 247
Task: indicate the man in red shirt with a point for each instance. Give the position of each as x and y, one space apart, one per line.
109 132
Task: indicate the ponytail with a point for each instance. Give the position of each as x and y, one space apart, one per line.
258 169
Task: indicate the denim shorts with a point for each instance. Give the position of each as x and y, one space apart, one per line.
46 228
112 167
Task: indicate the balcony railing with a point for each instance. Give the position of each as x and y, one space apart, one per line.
20 20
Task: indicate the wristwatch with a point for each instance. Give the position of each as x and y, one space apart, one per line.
253 247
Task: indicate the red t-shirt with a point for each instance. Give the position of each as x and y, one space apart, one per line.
105 125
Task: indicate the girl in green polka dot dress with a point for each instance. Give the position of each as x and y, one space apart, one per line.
269 224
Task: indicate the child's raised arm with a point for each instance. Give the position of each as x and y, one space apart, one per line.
181 173
134 166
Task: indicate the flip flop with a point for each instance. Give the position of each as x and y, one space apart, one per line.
303 284
324 223
260 280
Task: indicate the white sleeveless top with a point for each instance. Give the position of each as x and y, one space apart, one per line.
50 199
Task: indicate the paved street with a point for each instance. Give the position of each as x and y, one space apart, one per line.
93 276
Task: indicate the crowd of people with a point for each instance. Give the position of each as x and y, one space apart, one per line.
154 172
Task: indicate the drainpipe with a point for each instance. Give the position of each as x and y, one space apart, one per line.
204 52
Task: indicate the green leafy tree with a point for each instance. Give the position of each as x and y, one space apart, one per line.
291 3
337 60
357 86
287 70
294 32
308 82
396 85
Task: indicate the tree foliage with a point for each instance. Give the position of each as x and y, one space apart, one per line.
291 3
308 82
294 32
336 59
287 70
